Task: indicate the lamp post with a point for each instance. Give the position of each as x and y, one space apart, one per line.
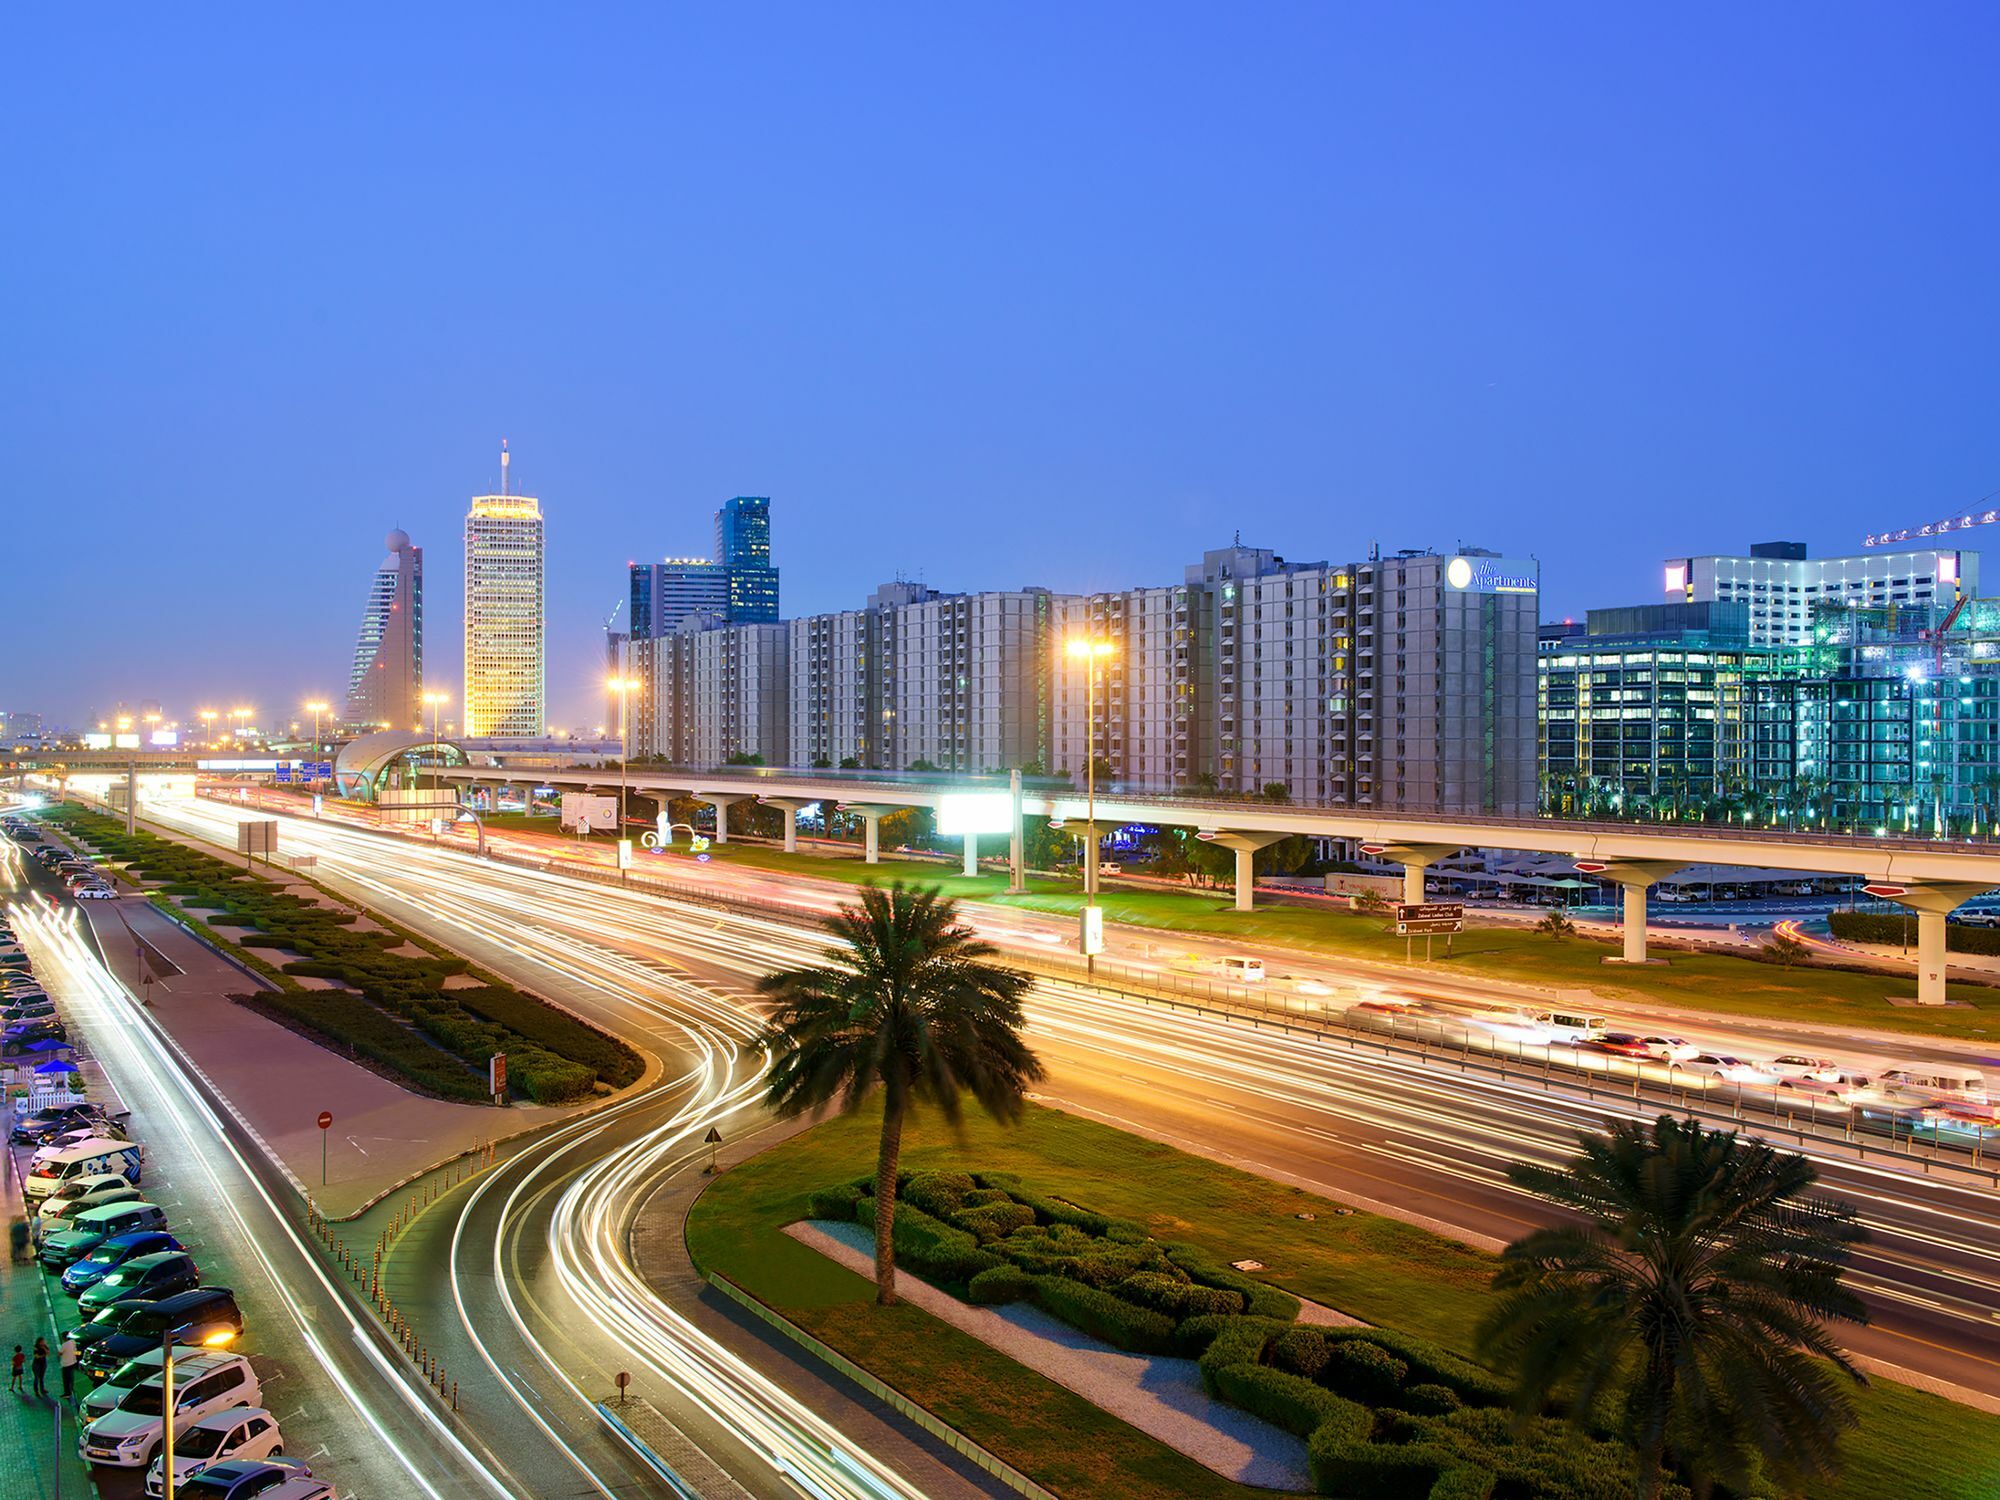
220 1339
434 701
208 717
1090 651
237 716
317 707
624 687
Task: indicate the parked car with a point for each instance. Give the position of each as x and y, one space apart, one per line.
62 1211
17 1038
109 1391
162 1273
236 1435
94 1226
90 1269
238 1479
54 1120
96 890
299 1489
128 1436
207 1316
89 1158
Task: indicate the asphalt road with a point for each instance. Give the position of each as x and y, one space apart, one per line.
1419 1138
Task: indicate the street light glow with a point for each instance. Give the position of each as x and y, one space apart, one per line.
1083 647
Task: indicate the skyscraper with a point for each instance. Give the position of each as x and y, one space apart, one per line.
386 685
743 548
663 594
506 616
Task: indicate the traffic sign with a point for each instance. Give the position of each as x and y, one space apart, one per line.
713 1138
1424 918
1591 867
1374 848
326 1119
1886 890
325 1124
624 1378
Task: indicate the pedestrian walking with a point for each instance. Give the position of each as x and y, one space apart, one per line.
20 1239
67 1354
20 1364
40 1365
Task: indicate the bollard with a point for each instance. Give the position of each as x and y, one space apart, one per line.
454 1395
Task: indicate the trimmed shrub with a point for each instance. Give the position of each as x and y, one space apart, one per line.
929 1247
1260 1298
1466 1482
1429 1400
994 1221
1103 1316
939 1194
1430 1365
1299 1351
1240 1341
979 1197
1886 927
997 1284
549 1079
1364 1372
1179 1298
833 1203
1286 1401
1345 1465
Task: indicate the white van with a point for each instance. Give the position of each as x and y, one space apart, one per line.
1243 970
1933 1083
1571 1025
92 1158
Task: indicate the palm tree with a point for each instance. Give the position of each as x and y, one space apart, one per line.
906 1003
1689 1304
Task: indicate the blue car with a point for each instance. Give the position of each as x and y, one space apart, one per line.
111 1254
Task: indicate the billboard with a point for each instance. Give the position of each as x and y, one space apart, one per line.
975 812
1493 575
593 808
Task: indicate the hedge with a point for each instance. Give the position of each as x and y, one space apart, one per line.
1887 927
1291 1402
998 1284
1103 1316
1299 1350
939 1194
834 1203
994 1221
1260 1298
1430 1365
1466 1482
1177 1297
930 1247
1343 1464
1239 1341
1364 1372
348 1021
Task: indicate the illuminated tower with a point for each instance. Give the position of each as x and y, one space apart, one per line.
506 616
387 683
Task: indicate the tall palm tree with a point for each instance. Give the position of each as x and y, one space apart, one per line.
1689 1304
906 1003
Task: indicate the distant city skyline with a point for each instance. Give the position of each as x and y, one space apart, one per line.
971 304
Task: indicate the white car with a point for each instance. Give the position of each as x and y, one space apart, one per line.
1727 1069
96 891
1817 1069
1669 1049
235 1432
128 1436
84 1193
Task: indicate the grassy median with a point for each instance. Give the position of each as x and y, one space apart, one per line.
1380 1270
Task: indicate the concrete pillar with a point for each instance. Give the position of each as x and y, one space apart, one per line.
132 798
1413 881
971 855
1246 846
872 842
1635 922
1930 958
1017 844
791 829
1415 859
721 803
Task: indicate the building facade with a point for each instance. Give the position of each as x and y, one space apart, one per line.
743 551
663 594
1781 585
385 685
720 693
506 617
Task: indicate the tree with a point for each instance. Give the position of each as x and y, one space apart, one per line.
1783 948
1557 926
1689 1305
920 764
850 762
1276 791
906 1003
744 758
821 763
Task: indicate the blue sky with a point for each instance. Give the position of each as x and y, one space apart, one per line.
994 295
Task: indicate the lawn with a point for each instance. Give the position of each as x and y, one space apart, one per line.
1377 1269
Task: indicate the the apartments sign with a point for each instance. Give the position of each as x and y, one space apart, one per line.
1492 575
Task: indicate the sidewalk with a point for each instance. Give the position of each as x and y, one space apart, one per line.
34 1463
277 1081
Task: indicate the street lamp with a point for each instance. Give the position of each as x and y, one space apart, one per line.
208 717
435 701
624 687
236 716
317 707
1090 652
220 1339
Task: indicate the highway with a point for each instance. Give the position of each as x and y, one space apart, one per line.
1420 1140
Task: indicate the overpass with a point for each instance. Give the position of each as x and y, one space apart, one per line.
1929 877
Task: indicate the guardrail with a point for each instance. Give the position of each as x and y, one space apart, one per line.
888 1395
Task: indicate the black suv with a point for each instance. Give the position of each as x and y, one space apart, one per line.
190 1317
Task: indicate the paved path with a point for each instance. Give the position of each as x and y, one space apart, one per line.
278 1081
1160 1395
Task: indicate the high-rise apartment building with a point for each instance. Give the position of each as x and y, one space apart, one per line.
506 616
386 683
743 550
718 693
1782 585
1403 682
664 594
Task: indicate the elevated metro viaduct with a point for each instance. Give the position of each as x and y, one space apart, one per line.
1930 878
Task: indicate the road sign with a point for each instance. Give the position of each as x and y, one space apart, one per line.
1591 867
624 1378
326 1119
496 1075
325 1124
1374 848
1886 890
259 836
1422 918
713 1138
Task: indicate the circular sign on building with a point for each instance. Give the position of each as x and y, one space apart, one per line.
1458 573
